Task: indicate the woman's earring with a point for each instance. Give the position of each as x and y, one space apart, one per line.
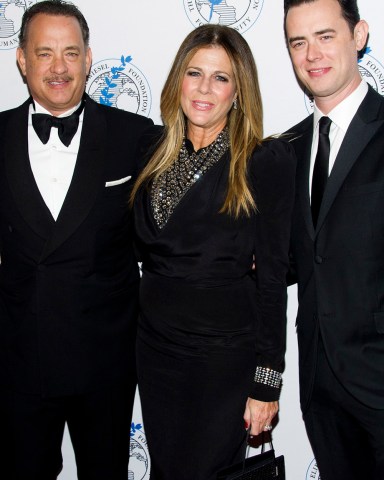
235 104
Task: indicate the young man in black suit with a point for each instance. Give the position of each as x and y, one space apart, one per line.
337 241
68 274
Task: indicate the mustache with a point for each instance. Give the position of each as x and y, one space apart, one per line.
56 78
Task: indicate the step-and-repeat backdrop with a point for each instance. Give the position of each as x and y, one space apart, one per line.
134 43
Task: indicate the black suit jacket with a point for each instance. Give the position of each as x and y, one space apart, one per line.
68 289
339 266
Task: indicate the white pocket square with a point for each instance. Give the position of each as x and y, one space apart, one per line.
113 183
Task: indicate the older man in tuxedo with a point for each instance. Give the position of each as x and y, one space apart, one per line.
68 274
337 247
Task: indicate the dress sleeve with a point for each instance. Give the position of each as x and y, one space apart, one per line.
272 176
147 144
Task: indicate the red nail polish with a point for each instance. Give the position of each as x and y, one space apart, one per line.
246 425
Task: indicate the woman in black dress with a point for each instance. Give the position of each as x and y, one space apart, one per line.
212 214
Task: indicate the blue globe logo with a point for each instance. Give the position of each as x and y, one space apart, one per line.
120 84
239 14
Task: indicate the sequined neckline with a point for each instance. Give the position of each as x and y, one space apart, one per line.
189 167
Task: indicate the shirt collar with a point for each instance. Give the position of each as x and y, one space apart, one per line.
40 109
343 113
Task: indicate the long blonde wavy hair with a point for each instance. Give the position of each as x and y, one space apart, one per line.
245 124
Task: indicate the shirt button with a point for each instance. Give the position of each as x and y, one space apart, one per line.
318 259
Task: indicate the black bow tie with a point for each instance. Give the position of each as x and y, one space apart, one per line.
67 126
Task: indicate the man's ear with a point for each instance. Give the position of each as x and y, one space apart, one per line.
20 57
88 60
361 34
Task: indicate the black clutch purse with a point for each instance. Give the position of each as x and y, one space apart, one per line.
264 466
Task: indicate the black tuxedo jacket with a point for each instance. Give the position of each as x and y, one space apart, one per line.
339 267
68 289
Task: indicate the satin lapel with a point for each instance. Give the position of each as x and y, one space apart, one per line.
303 145
20 176
87 180
361 130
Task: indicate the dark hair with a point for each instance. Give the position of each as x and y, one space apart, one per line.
52 7
349 10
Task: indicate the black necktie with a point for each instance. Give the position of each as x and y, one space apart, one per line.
320 169
67 126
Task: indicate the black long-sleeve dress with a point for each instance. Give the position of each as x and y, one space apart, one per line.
207 319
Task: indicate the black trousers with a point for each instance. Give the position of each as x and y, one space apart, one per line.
347 437
32 428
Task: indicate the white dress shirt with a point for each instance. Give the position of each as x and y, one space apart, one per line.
53 164
341 117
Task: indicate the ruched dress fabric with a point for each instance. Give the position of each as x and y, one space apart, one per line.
207 318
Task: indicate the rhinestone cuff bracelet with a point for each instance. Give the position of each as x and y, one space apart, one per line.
267 376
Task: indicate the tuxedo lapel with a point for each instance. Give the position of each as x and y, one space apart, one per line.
361 130
87 179
303 145
26 194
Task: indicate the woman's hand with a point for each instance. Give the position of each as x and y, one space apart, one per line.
258 415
